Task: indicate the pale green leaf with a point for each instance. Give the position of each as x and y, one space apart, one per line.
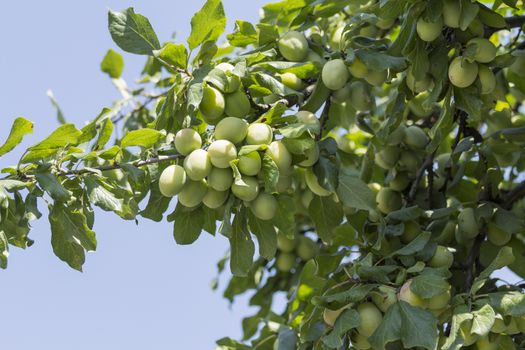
142 137
112 64
207 24
19 129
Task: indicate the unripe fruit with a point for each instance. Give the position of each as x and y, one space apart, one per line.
214 199
247 191
225 67
291 80
284 183
429 31
411 231
384 298
396 136
360 342
281 156
220 179
443 257
312 156
487 79
376 77
192 193
439 301
400 182
335 74
451 13
212 105
293 46
418 86
341 95
285 244
250 164
486 51
448 233
285 262
360 96
358 69
370 317
388 200
222 152
197 165
462 73
187 141
313 183
408 296
231 129
259 134
309 118
172 180
467 223
415 137
330 316
387 157
409 161
237 104
496 235
264 206
518 66
306 249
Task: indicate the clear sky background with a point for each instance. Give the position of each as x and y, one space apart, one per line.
139 290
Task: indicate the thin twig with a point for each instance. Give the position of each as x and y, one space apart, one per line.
419 175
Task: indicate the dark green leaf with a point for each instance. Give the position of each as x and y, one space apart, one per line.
326 215
266 236
354 193
132 32
50 183
241 246
187 225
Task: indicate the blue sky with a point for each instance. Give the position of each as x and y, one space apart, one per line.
139 290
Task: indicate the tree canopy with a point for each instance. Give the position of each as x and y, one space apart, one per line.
365 159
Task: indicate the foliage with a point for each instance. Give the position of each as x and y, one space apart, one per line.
370 165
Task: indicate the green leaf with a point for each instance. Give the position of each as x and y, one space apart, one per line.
70 235
354 193
511 303
326 215
380 60
483 320
346 321
157 204
112 64
284 218
175 55
352 295
286 340
4 250
132 32
412 325
102 197
207 24
104 134
301 69
416 245
65 135
19 129
241 246
266 236
143 137
50 183
187 225
60 116
270 173
504 258
428 285
243 35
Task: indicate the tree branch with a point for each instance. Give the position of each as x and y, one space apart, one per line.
419 175
514 195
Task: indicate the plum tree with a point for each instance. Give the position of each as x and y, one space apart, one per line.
187 141
293 46
172 180
221 153
356 156
259 134
231 129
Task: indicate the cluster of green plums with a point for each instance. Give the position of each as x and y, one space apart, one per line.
291 248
